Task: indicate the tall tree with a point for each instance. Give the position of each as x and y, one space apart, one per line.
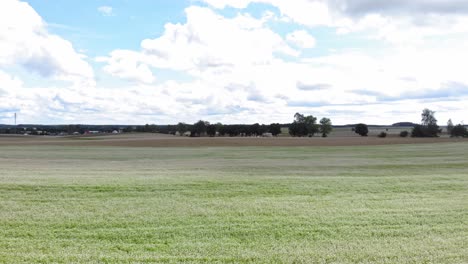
428 117
428 127
325 126
311 125
449 126
303 126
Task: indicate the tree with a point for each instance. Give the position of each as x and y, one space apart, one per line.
254 130
325 126
459 131
303 126
219 127
297 129
311 125
211 130
428 118
361 129
428 127
182 128
449 126
418 131
199 128
263 129
275 129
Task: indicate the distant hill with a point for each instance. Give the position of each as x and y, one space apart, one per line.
404 124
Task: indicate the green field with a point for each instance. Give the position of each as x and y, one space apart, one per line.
376 204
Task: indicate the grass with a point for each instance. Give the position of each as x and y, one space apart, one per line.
379 204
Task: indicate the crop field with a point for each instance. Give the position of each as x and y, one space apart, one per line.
341 137
90 203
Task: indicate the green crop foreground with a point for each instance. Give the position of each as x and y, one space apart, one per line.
375 204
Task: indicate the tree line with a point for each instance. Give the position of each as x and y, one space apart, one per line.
427 128
205 128
302 126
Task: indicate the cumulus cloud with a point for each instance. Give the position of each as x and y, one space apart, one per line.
209 40
127 65
353 7
242 71
238 63
393 20
201 45
26 42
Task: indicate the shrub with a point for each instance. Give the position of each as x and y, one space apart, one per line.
425 131
382 135
459 131
404 133
361 129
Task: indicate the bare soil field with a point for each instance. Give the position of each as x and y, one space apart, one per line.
158 140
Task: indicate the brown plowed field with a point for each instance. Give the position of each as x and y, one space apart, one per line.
156 140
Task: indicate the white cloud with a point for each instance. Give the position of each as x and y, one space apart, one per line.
240 74
396 21
127 65
25 41
301 39
243 72
207 42
305 12
8 82
106 10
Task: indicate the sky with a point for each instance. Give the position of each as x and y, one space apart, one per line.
232 61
